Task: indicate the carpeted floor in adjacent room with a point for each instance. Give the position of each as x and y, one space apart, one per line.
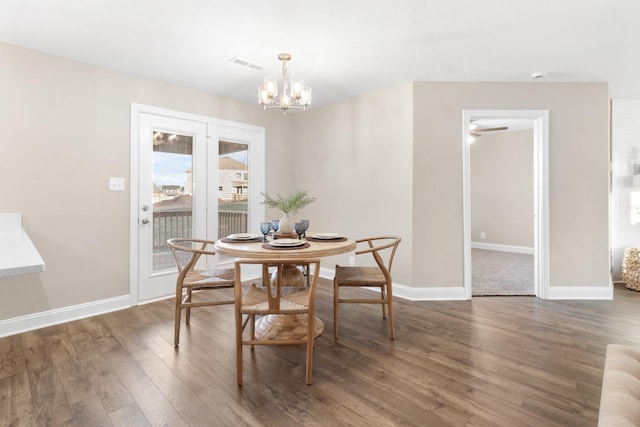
501 273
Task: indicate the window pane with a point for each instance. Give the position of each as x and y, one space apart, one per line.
233 183
172 193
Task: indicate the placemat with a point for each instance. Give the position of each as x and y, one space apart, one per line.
339 239
230 240
285 248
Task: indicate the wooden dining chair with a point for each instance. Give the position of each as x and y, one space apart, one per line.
272 298
381 248
187 252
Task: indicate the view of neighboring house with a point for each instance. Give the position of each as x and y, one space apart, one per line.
166 192
232 183
232 179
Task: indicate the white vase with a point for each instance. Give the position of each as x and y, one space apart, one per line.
286 224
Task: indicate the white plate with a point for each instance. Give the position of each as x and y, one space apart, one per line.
286 242
243 236
326 236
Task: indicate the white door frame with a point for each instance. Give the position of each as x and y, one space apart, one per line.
540 120
216 130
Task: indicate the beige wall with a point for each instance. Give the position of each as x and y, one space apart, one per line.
65 132
502 188
355 157
387 162
578 176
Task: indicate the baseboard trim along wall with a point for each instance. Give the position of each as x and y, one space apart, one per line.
581 293
44 319
502 248
455 293
18 325
414 294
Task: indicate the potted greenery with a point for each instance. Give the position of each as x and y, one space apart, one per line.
291 204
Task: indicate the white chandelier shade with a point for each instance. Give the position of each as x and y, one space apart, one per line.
294 94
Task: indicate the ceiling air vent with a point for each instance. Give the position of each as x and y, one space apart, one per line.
236 60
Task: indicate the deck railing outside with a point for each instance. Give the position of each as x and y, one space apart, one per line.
178 223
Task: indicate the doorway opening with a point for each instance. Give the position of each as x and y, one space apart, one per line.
538 203
502 207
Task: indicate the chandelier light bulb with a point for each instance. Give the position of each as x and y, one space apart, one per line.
271 86
263 96
305 96
285 101
296 88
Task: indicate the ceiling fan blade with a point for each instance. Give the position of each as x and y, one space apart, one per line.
491 129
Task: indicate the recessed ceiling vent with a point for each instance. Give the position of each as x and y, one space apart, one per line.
239 61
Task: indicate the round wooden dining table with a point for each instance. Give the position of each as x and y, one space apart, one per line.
281 326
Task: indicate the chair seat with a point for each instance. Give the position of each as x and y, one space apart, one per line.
295 300
359 276
378 276
220 276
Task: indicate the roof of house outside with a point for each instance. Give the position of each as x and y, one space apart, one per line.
231 164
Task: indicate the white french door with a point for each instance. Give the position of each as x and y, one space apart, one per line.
191 176
172 200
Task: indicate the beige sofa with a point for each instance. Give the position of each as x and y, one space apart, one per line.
620 398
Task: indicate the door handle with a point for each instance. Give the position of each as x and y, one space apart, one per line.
145 220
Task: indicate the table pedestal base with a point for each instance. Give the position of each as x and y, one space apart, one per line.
290 326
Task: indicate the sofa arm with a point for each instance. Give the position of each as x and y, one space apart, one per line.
620 398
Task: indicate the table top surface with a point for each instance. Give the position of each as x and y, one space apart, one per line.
256 250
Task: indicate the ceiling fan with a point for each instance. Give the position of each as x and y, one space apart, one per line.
477 132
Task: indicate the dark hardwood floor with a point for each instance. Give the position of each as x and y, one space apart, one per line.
492 361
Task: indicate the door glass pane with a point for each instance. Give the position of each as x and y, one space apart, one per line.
233 183
172 193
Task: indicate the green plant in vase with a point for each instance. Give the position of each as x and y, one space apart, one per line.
288 205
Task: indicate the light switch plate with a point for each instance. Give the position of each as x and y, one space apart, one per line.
116 183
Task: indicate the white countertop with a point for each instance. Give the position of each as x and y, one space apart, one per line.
17 253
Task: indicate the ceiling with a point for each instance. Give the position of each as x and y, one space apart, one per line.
342 48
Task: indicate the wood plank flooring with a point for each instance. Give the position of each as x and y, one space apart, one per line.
492 361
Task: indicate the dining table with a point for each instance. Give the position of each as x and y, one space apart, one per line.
313 246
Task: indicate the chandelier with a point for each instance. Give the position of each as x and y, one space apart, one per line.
296 97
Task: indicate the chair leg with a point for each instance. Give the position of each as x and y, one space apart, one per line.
392 332
239 347
178 312
383 297
336 296
252 329
188 309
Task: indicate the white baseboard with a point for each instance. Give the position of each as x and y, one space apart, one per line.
43 319
441 293
414 294
454 293
502 248
581 292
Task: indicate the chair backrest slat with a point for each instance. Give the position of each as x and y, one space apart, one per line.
378 244
194 248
